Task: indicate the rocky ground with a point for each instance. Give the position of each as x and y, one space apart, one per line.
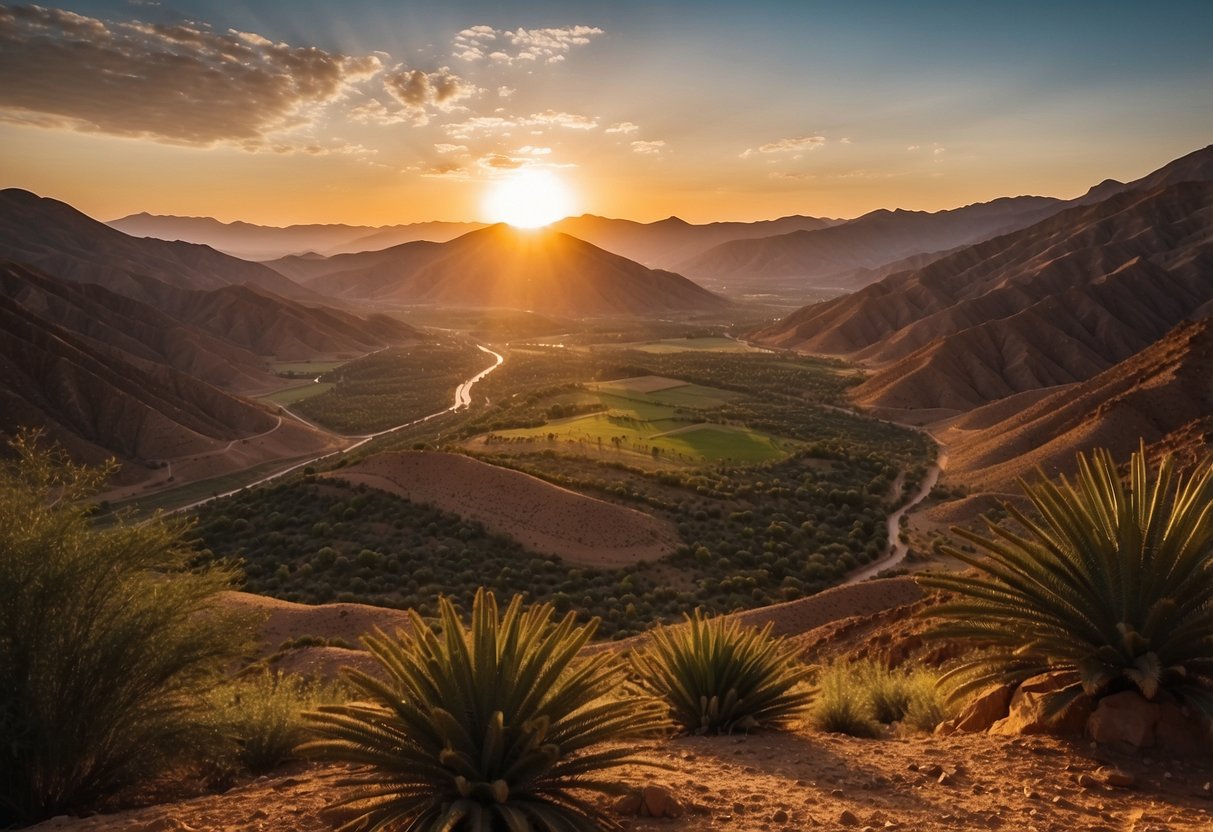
801 780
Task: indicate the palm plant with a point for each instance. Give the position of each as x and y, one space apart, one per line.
494 727
1112 585
717 676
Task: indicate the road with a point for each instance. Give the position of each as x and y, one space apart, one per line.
462 399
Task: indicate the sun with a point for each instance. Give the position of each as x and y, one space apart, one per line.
528 199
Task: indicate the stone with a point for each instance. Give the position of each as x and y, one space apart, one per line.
1026 710
983 710
1179 731
1116 777
629 804
659 802
848 818
1125 720
780 816
1089 781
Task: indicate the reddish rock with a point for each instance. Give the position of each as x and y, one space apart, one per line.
1126 719
1026 712
1180 731
983 710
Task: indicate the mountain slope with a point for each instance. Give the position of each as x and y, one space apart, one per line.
1051 304
670 242
831 257
264 242
59 240
543 271
1163 395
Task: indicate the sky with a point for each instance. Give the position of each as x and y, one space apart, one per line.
373 113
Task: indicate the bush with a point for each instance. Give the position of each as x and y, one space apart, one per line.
841 704
717 676
491 727
1110 585
262 716
108 642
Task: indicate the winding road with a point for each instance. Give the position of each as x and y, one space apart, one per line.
462 399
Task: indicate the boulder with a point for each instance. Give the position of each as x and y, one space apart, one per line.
1026 711
1124 720
1180 731
983 710
659 802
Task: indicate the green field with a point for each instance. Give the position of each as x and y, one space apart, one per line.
314 367
709 344
297 394
647 416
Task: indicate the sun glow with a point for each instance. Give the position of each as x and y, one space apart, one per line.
528 199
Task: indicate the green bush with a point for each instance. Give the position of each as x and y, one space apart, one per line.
841 705
109 643
717 676
262 717
499 726
1111 583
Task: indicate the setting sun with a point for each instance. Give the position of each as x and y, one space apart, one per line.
528 199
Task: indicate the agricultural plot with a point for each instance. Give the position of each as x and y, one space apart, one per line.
305 368
650 415
291 395
708 344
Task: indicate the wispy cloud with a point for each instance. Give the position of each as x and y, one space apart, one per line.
182 84
797 145
504 125
652 148
420 91
550 45
623 127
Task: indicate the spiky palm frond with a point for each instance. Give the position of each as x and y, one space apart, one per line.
496 726
717 676
1111 581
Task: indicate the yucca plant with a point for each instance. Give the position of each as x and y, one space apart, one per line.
717 676
498 727
1111 583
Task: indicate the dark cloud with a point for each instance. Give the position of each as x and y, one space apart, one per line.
182 83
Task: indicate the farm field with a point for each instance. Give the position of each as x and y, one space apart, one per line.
706 344
293 369
292 395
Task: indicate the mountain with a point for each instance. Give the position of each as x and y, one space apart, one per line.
267 242
1052 304
836 257
543 270
667 243
102 375
59 240
1162 395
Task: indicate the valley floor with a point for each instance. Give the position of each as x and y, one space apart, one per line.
796 781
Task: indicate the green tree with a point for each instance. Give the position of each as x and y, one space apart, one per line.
109 642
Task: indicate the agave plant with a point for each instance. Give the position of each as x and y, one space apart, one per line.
717 676
496 727
1111 585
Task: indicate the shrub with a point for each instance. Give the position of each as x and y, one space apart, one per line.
108 642
1111 584
492 727
717 676
840 704
262 716
886 691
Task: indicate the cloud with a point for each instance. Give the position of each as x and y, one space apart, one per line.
443 147
180 84
798 177
648 148
797 145
914 147
623 127
481 125
420 91
551 45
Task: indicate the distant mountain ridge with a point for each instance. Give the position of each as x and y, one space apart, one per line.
266 242
540 270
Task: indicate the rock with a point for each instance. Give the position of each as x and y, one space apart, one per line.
659 802
1116 777
848 818
934 771
983 710
629 804
780 816
1025 713
1124 719
1089 781
1179 731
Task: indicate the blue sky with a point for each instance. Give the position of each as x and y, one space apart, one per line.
705 110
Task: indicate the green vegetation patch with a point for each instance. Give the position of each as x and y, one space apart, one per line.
310 368
297 394
711 344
